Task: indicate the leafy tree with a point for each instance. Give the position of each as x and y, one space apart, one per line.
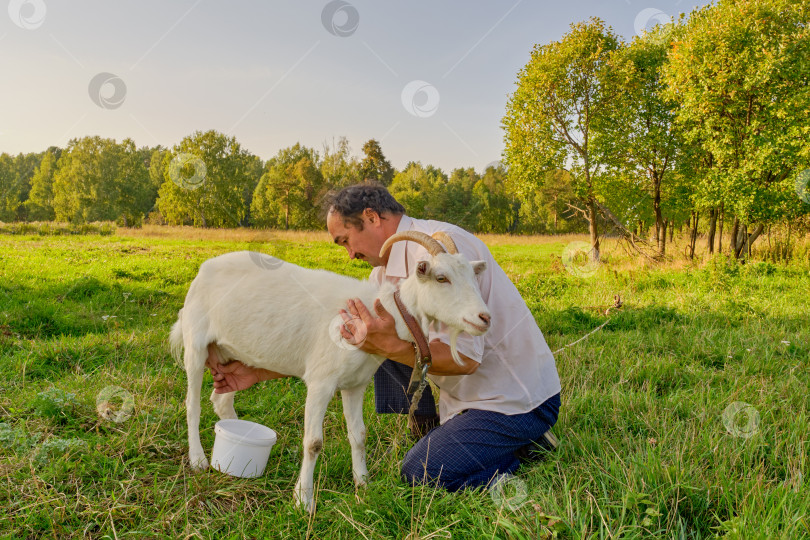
646 145
25 165
497 208
741 76
565 94
255 170
288 193
548 209
338 167
158 162
40 199
205 181
9 189
417 188
99 179
456 202
374 165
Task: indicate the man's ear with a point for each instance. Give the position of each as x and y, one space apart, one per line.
478 266
423 270
372 216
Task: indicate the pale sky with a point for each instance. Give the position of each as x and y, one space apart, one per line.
429 79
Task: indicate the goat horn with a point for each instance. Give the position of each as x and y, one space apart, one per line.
430 244
445 239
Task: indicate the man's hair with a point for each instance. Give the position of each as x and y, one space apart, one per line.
350 202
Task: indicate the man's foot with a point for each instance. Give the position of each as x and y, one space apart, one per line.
420 425
537 449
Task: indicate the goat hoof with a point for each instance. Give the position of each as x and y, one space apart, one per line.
305 504
304 501
199 464
361 483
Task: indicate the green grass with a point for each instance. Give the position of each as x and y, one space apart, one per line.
645 451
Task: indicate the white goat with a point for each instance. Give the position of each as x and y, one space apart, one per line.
279 316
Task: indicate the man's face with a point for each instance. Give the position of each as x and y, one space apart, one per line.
361 244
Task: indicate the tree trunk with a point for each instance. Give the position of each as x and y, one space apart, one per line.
660 227
720 235
753 236
671 232
735 230
662 246
593 228
693 236
712 229
741 242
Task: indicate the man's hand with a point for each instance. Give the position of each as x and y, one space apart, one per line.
378 335
374 335
234 375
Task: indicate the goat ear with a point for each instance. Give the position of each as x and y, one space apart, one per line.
422 269
478 266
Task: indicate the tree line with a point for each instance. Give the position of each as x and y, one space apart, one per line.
210 180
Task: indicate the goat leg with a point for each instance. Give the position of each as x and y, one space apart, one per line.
318 396
353 411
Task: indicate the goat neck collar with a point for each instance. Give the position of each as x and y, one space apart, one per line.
420 341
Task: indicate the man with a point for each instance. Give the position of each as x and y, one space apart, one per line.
500 403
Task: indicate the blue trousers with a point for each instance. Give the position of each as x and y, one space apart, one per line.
468 450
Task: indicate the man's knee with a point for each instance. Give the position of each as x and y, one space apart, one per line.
418 469
414 469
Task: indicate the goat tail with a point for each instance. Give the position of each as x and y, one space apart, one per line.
176 338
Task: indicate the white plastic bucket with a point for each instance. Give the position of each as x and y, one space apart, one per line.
241 448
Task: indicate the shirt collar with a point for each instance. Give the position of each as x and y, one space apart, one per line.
397 260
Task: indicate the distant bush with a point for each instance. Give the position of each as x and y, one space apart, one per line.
155 218
49 228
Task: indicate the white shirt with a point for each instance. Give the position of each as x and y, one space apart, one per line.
517 372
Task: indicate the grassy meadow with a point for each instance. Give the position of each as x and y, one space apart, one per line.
92 421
